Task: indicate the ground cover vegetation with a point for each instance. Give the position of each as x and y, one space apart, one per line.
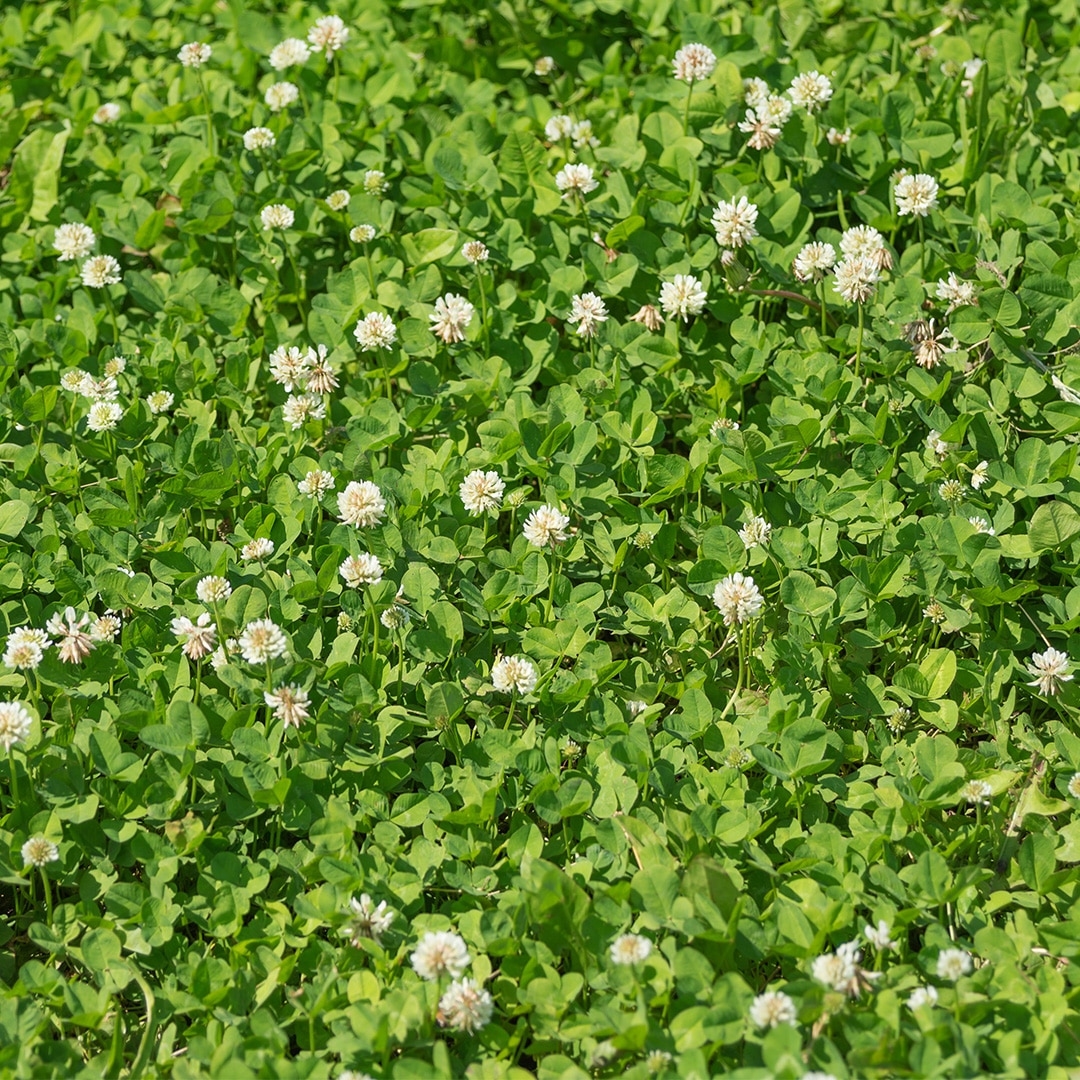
539 539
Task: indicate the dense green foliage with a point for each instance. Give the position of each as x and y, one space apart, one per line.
746 797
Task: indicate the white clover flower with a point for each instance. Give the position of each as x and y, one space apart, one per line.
546 527
559 127
762 127
772 1008
338 200
289 704
481 491
953 964
289 366
775 110
73 380
693 63
956 292
300 408
922 995
735 222
320 377
260 548
575 180
722 423
452 316
916 194
277 216
369 920
466 1006
103 416
473 251
329 34
976 792
438 953
99 271
856 279
361 504
836 137
194 54
755 92
587 311
878 936
981 525
649 316
656 1061
952 491
15 724
262 641
682 296
291 52
39 851
99 389
1050 670
755 532
937 445
810 91
75 643
582 135
375 331
814 261
865 242
105 627
738 599
213 589
198 638
375 182
1065 392
636 707
510 674
934 612
630 949
1074 785
971 69
259 138
281 95
544 66
840 970
73 240
159 401
316 484
362 234
108 113
359 570
22 654
395 617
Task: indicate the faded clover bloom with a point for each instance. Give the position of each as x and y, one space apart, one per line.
277 216
338 200
369 920
934 612
15 724
103 416
953 964
755 532
878 936
320 377
956 292
1074 785
361 504
814 261
937 445
280 96
976 792
840 970
582 135
682 296
198 638
856 279
481 491
575 180
75 643
259 138
916 194
1050 670
865 242
513 674
474 251
194 54
375 331
693 63
73 240
738 599
99 271
395 617
810 91
772 1008
734 222
559 127
836 137
159 401
630 949
290 53
213 589
359 570
316 484
649 316
39 851
438 953
261 547
587 311
362 234
452 316
329 34
762 127
289 704
546 527
303 407
107 113
922 995
466 1006
635 707
755 92
1065 392
375 181
262 641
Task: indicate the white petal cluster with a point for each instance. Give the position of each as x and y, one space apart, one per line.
99 271
575 180
922 995
277 216
359 570
198 637
290 53
39 851
361 504
451 318
879 936
546 527
977 793
814 261
466 1006
213 589
262 641
289 704
865 242
953 964
338 200
259 138
73 240
559 127
281 95
329 34
481 491
916 195
544 66
159 401
375 331
362 234
1051 669
755 533
693 63
682 297
108 113
262 547
763 127
375 181
440 952
587 312
630 949
15 724
810 91
771 1009
70 630
513 674
300 408
956 292
735 222
475 251
368 919
194 54
856 279
316 484
738 599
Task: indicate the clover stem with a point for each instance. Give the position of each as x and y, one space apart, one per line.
375 632
858 344
484 312
48 894
370 272
112 315
551 584
510 715
14 780
922 246
401 663
824 325
209 115
337 77
689 99
739 679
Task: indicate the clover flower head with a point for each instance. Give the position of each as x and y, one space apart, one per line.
575 180
39 851
375 331
481 491
277 216
194 54
738 599
546 527
15 724
693 63
474 251
772 1008
362 569
1051 669
916 195
810 91
213 589
514 674
99 271
73 240
290 53
953 964
682 297
735 222
438 953
814 261
108 113
361 504
281 95
452 316
629 949
262 641
466 1006
329 34
368 919
198 637
289 704
316 483
755 533
259 138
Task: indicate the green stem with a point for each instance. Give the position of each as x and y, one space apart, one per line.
510 715
551 585
484 312
209 114
922 246
386 376
739 680
14 780
401 664
689 99
824 324
48 895
858 344
337 77
370 272
112 315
